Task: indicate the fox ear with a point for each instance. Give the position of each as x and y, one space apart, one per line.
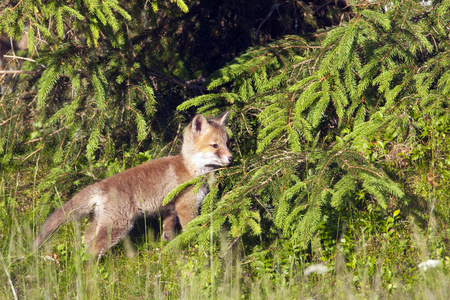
222 118
199 123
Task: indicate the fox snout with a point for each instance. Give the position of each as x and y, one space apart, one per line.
223 152
227 159
221 158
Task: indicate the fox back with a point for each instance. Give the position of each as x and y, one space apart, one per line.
116 202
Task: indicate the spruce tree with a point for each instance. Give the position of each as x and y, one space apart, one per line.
307 112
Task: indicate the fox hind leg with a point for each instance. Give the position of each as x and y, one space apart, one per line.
91 231
107 235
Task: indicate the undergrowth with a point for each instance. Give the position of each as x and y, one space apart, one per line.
368 257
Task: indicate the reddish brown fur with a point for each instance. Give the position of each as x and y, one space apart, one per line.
117 201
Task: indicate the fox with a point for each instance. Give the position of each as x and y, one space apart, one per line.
115 203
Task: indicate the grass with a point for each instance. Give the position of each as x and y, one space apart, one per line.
155 272
175 275
373 263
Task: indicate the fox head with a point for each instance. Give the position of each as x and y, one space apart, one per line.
205 143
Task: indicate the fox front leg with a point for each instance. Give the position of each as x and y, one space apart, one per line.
169 224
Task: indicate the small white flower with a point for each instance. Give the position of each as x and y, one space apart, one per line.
431 263
48 257
319 269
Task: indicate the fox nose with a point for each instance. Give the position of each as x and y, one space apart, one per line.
230 159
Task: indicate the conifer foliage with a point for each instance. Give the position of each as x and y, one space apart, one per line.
313 109
79 84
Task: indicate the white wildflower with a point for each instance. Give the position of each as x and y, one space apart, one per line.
319 269
431 263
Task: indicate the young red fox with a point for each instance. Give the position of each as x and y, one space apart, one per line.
116 202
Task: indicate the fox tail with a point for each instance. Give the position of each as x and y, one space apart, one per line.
77 207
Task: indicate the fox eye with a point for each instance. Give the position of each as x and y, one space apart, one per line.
215 146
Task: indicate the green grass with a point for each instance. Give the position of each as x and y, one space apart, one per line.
366 262
155 272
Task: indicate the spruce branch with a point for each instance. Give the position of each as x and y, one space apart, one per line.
193 84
